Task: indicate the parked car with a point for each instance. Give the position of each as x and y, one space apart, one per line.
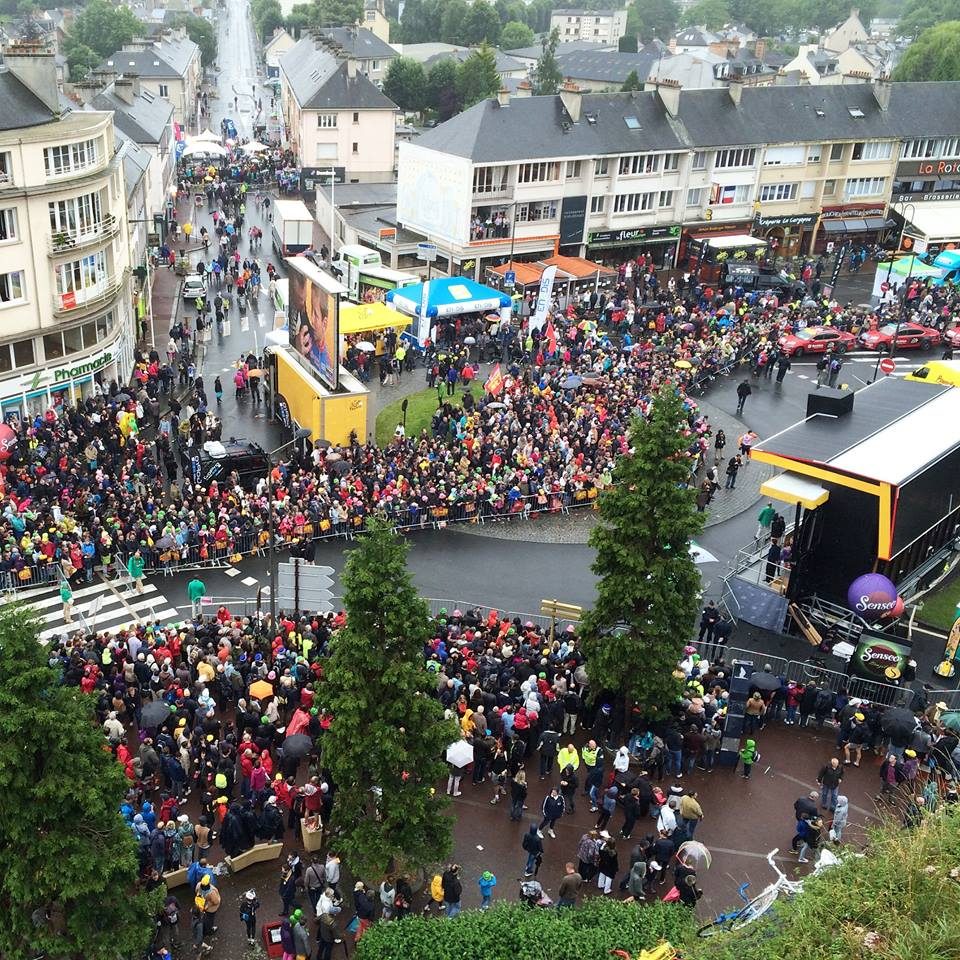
194 286
816 340
751 277
952 336
909 336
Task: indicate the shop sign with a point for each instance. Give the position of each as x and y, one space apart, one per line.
796 220
283 411
858 210
952 196
573 218
63 374
875 655
623 238
928 168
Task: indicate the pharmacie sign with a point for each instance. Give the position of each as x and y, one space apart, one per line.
62 374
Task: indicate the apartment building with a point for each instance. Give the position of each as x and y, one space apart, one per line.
335 115
592 26
610 175
65 301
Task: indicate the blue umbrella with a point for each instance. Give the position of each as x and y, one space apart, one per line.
572 382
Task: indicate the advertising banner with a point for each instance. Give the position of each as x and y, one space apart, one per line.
875 655
314 323
539 317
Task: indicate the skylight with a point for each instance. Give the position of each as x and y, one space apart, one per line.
856 112
632 123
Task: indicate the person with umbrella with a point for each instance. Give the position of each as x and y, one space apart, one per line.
899 724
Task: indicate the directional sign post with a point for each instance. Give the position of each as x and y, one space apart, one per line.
556 610
888 365
304 586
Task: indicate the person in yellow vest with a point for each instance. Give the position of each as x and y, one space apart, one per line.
568 756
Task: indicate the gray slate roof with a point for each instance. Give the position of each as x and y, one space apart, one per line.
534 52
531 127
505 63
362 43
143 121
136 161
166 58
608 67
319 82
19 106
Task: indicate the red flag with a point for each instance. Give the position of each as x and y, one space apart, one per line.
551 336
494 384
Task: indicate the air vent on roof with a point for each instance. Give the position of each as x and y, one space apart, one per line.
147 95
156 63
131 63
565 126
820 113
632 123
855 112
591 118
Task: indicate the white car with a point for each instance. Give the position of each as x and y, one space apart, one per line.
194 286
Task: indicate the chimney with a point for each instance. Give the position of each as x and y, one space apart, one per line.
36 68
856 76
672 45
503 97
524 89
351 68
123 89
571 96
881 91
760 48
735 89
669 93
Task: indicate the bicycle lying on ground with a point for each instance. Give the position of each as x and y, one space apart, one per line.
760 904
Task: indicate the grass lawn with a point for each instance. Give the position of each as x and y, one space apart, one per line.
940 605
420 411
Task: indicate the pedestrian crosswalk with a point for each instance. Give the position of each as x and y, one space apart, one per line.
104 607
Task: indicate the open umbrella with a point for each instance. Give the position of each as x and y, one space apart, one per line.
700 555
682 364
255 373
166 542
572 382
254 147
496 405
694 854
764 681
340 467
154 714
460 753
898 720
365 345
260 690
469 341
951 720
298 745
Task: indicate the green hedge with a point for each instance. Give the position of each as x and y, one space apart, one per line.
517 932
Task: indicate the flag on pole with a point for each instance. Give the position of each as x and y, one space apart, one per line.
494 384
551 337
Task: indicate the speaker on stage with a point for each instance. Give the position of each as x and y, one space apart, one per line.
740 675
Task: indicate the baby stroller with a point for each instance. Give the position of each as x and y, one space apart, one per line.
532 894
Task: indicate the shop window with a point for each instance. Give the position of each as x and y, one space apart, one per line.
53 346
72 340
23 355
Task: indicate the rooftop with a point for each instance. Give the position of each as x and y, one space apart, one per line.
321 82
146 120
615 123
359 43
19 106
170 57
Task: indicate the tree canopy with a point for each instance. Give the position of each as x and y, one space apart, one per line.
104 28
917 15
386 745
68 862
654 19
647 596
477 77
201 32
515 35
406 84
633 82
547 76
711 14
442 90
934 55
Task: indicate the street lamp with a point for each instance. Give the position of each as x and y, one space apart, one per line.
301 433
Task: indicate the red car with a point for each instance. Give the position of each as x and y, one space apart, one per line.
912 336
815 340
952 336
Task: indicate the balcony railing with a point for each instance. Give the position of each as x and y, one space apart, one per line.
66 241
87 298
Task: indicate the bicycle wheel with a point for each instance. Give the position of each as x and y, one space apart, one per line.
757 907
715 927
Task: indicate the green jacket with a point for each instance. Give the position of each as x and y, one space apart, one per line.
135 567
195 590
766 516
749 753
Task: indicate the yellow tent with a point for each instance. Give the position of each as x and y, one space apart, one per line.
369 316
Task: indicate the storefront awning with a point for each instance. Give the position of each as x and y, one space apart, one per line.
792 488
936 221
579 268
833 226
876 223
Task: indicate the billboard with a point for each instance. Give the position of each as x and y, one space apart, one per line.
434 193
314 319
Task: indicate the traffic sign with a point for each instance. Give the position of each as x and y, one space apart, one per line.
427 252
888 365
304 586
510 279
884 286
